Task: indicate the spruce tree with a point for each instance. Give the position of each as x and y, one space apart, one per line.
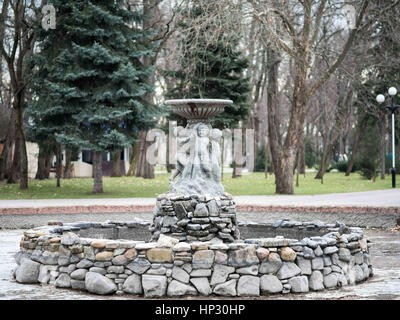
90 79
211 69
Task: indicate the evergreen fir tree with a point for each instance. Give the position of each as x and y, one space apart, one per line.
90 82
212 70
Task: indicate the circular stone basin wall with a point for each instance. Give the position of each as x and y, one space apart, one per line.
103 258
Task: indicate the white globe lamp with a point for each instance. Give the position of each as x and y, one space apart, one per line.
392 91
380 98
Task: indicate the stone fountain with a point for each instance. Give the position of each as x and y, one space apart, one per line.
195 248
196 208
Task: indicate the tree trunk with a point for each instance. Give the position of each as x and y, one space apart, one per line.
7 155
339 120
266 152
237 154
290 147
49 161
301 154
144 169
14 172
356 143
142 155
41 170
97 172
68 164
273 116
168 166
325 161
134 160
222 158
383 126
116 167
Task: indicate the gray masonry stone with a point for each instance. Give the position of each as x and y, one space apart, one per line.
330 250
84 264
308 253
78 284
331 280
270 284
201 210
299 284
316 281
318 251
304 265
252 270
139 265
272 264
288 270
63 281
317 263
220 273
28 271
243 257
201 273
98 270
154 285
177 288
99 284
180 274
133 284
203 259
226 289
44 274
79 274
359 273
248 286
344 254
202 285
69 238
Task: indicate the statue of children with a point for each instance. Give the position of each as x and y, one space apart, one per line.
203 152
216 154
182 152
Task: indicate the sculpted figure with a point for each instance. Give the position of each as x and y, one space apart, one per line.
183 141
203 150
216 135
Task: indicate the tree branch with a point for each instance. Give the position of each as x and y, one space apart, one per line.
344 52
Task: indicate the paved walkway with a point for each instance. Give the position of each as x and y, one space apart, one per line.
380 198
369 209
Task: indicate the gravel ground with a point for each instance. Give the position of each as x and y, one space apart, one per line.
384 285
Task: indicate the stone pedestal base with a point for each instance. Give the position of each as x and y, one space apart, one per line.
195 218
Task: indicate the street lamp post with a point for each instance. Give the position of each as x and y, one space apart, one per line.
392 107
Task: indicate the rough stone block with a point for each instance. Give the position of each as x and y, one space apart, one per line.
243 257
299 284
99 284
154 286
133 284
270 284
248 286
28 271
226 289
176 288
159 255
203 259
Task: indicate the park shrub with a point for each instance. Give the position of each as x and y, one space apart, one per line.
368 168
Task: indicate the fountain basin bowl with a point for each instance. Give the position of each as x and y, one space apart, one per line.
198 109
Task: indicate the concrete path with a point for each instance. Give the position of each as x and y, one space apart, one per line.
380 198
364 209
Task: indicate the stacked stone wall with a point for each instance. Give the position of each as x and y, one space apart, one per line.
195 218
173 268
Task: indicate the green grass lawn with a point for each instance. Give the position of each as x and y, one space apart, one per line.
130 187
